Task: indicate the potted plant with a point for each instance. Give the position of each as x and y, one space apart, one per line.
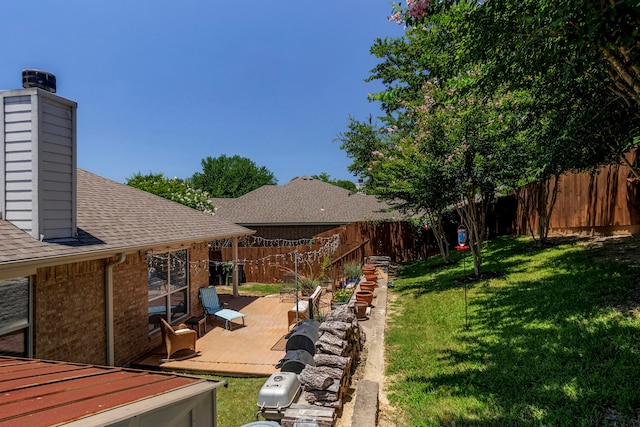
366 296
367 286
340 297
227 271
352 270
308 284
325 271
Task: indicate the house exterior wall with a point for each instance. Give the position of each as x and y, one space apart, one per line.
69 308
68 313
130 306
17 161
57 168
198 275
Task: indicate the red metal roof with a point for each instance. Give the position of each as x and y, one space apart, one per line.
45 393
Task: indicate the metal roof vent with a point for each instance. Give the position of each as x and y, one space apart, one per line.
37 78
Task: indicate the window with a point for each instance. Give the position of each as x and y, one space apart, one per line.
14 317
168 287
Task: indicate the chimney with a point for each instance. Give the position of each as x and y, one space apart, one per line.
38 158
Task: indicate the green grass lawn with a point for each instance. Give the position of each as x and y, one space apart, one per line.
237 403
254 289
544 345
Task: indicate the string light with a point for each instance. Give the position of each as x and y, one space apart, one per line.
331 245
250 241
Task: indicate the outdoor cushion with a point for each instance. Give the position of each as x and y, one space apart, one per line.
302 306
302 313
212 307
176 340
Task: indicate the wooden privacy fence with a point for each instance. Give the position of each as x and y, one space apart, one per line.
401 241
603 202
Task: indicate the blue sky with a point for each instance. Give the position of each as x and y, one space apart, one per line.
161 85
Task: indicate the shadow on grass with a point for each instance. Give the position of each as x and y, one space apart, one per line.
549 351
446 276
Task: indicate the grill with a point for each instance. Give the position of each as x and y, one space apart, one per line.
304 337
277 394
295 361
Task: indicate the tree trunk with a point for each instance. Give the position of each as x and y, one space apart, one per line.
547 195
435 220
624 73
523 196
473 217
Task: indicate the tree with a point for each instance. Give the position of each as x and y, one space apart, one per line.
465 149
574 118
562 53
174 189
231 176
444 143
343 183
519 38
359 141
589 37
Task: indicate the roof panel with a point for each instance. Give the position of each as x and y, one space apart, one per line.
26 379
68 392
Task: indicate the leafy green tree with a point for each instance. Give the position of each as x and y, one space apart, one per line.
173 189
443 142
575 126
458 152
563 53
343 183
588 37
359 141
564 50
575 120
520 38
231 176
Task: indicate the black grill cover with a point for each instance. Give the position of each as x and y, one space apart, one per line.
304 337
295 361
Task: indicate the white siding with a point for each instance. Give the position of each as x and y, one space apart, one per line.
57 169
18 162
38 164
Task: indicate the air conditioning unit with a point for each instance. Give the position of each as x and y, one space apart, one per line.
40 79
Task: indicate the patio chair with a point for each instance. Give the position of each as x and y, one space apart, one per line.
212 307
177 339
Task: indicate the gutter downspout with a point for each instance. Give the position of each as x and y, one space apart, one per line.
108 306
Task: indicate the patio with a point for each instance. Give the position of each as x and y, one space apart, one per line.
242 352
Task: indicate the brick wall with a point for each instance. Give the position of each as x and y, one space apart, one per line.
69 312
69 320
131 315
198 275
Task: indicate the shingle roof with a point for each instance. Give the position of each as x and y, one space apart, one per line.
303 200
114 216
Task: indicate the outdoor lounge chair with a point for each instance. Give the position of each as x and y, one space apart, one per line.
178 339
212 307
